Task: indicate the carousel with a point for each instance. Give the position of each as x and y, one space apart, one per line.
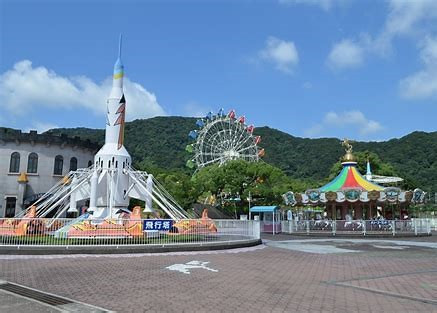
352 195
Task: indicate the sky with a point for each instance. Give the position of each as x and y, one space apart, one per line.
365 70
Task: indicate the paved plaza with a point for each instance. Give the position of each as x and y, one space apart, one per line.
286 274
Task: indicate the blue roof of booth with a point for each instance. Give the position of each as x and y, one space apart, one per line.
261 209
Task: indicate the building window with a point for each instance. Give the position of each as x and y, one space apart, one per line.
10 206
14 166
90 163
32 163
73 164
59 164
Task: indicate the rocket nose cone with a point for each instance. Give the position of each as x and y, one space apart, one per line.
118 65
118 69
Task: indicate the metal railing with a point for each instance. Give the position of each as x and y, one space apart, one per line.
358 227
434 223
122 232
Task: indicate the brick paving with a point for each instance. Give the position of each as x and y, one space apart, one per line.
256 279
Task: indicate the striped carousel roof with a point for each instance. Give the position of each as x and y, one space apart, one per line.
348 178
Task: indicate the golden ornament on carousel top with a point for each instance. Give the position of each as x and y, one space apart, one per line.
348 157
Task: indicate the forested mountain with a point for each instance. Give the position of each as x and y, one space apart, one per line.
414 156
160 142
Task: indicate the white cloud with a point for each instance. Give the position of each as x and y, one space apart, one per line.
404 19
283 54
193 109
347 123
41 127
323 4
346 54
307 85
423 84
25 88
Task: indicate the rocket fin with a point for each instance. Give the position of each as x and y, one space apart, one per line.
137 193
83 192
102 175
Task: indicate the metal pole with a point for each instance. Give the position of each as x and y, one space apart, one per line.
273 222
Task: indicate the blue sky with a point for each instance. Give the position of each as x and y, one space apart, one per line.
313 68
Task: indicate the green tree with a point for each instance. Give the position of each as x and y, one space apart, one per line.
237 179
378 167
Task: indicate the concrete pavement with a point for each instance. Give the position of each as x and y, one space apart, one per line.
373 276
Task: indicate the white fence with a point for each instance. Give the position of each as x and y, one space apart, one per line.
118 232
359 227
434 223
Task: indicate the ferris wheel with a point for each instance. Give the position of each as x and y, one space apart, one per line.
223 137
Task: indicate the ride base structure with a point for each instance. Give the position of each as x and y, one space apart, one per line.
108 184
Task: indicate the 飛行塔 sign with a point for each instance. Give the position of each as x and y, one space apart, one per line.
157 225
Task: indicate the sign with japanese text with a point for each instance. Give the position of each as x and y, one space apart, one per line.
164 225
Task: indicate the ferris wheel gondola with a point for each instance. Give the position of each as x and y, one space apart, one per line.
223 137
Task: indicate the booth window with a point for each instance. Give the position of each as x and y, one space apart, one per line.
14 165
59 164
32 163
73 164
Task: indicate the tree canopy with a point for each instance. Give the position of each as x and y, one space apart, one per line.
234 183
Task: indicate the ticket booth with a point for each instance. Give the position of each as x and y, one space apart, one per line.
269 217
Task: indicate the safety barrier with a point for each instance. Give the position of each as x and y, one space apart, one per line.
123 232
359 227
434 223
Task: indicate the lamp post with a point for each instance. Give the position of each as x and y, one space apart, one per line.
249 199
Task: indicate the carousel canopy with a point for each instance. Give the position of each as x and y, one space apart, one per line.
348 178
351 186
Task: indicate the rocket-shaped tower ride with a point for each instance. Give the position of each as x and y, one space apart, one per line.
111 181
109 188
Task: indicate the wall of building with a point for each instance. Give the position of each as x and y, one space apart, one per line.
44 179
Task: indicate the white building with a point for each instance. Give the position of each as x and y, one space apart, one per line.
31 163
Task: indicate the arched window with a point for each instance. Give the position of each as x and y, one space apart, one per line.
59 164
73 164
32 163
90 163
14 165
